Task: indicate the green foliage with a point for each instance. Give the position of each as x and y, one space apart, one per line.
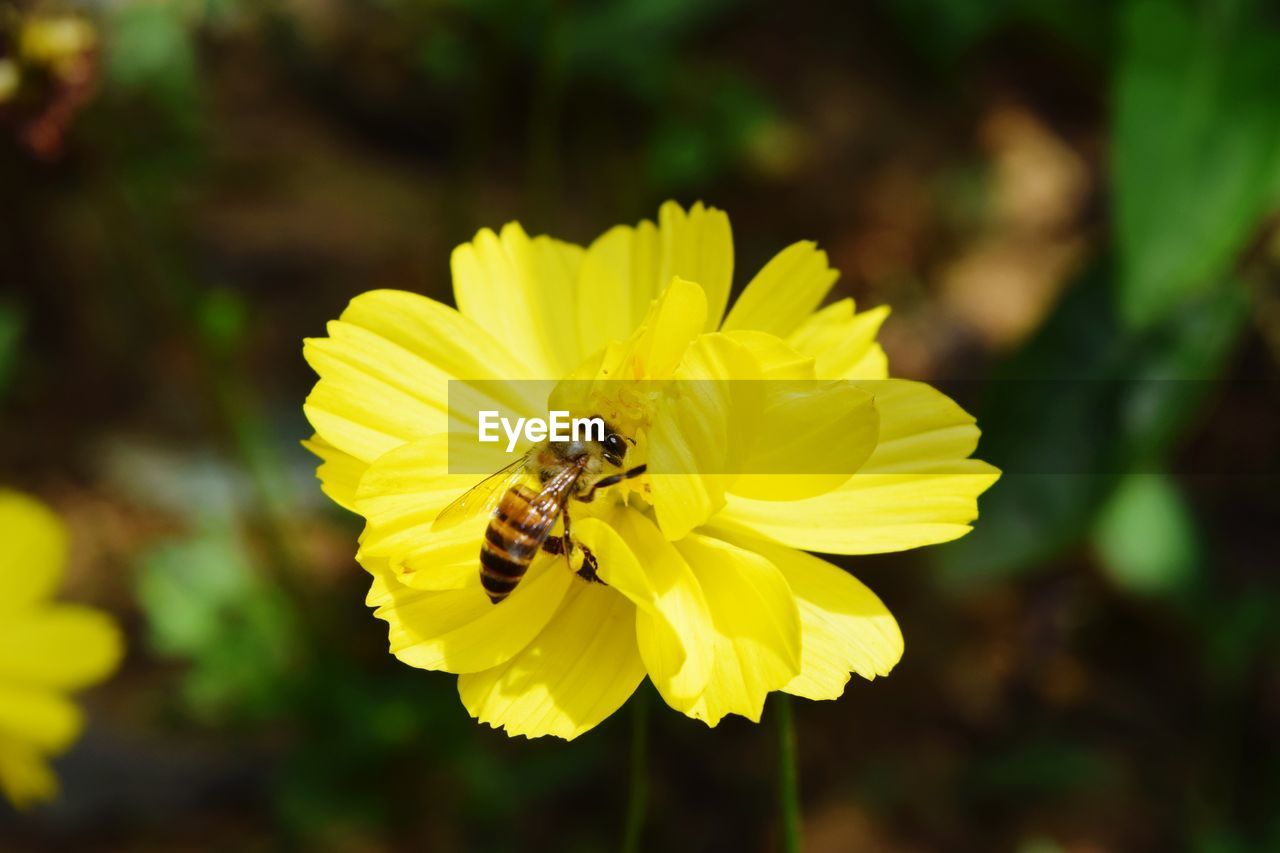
1084 403
634 43
152 49
1196 150
1147 536
205 605
704 131
222 317
945 29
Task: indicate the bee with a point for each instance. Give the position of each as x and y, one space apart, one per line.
521 521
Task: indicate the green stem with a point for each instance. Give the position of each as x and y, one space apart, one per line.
638 796
788 777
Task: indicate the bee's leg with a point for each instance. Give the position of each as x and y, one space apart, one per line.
612 480
565 545
589 566
567 542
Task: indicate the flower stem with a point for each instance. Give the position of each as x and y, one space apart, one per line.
638 796
788 777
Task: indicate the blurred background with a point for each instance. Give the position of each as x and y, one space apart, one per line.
1070 205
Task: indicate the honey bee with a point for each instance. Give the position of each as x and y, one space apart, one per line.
521 521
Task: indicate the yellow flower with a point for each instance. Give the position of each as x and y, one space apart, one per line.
709 591
46 650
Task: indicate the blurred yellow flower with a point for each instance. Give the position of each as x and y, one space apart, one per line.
55 40
9 79
709 591
46 650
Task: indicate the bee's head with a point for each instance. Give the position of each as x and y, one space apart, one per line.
614 446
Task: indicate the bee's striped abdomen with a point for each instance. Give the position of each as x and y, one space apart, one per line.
512 539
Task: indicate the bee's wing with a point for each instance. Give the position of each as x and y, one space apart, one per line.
481 497
549 503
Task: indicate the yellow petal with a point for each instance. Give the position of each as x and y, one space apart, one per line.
577 672
25 775
844 343
385 370
809 439
917 488
436 334
673 624
402 493
757 627
626 268
339 472
65 646
33 549
872 513
784 292
844 627
654 351
699 432
40 716
919 427
776 358
616 282
698 245
450 561
523 290
460 630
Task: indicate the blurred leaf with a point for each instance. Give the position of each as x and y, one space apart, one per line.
150 48
1084 403
1197 149
632 42
222 316
710 131
204 604
1146 536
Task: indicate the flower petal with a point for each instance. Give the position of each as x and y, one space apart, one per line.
809 439
757 627
673 625
25 775
776 358
698 245
402 493
385 370
617 281
700 431
522 290
844 627
33 550
460 630
654 351
625 268
339 472
577 672
65 646
919 427
843 342
916 489
40 716
784 292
